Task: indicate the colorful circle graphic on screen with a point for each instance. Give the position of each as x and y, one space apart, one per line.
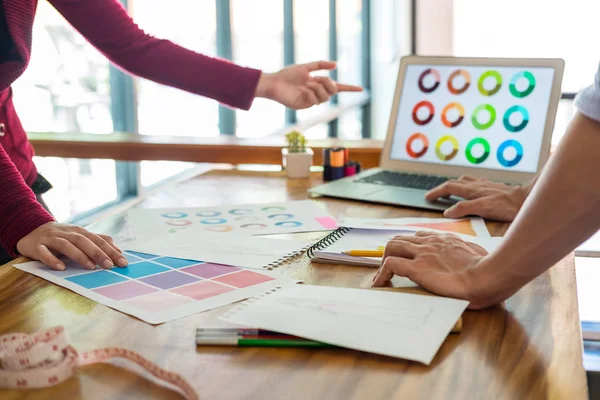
438 148
174 215
518 153
455 74
461 114
469 151
475 117
288 224
436 80
416 109
515 109
409 145
213 221
489 74
513 84
181 222
208 213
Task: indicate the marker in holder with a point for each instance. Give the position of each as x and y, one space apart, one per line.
337 165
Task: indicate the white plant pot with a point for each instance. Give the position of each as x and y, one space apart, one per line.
297 165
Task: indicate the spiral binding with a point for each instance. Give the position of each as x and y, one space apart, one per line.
240 306
288 257
327 241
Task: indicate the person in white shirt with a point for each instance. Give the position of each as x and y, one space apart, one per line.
552 215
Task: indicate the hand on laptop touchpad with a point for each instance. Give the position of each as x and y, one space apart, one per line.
448 201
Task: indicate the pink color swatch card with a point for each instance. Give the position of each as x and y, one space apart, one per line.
158 289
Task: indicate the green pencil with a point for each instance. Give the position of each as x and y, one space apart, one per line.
236 341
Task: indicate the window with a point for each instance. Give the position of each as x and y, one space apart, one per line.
311 39
558 31
66 88
349 39
166 111
257 35
68 85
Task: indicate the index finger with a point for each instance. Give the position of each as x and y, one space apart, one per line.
317 65
450 188
342 87
393 266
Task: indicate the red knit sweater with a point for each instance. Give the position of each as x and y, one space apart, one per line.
106 24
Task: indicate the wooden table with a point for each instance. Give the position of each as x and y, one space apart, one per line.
529 348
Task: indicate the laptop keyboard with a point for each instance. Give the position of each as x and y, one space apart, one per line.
402 179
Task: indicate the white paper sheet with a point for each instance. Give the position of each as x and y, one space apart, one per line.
467 226
400 325
240 251
241 219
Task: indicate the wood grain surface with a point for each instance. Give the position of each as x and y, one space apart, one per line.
528 348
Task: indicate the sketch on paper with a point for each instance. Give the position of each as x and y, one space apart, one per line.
409 318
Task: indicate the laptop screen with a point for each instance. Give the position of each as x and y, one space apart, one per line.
473 116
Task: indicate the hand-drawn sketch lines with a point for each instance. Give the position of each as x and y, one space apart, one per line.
409 318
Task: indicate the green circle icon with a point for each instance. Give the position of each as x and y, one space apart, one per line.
530 79
486 150
489 74
475 120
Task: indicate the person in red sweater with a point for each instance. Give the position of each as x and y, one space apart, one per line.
26 226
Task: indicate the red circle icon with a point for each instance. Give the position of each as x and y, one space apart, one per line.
419 105
411 139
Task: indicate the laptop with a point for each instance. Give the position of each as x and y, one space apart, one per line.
452 116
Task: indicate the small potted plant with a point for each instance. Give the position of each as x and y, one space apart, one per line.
297 158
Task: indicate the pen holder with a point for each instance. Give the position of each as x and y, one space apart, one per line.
336 164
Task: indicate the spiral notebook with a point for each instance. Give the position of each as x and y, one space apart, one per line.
329 249
246 252
403 325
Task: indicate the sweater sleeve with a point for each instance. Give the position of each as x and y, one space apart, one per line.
20 212
107 26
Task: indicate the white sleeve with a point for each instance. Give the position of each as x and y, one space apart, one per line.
588 100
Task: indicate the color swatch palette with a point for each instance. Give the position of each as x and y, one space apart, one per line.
158 289
243 219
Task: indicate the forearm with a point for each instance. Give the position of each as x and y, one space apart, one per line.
562 210
20 213
106 24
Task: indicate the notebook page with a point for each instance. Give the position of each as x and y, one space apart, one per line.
364 239
371 239
402 325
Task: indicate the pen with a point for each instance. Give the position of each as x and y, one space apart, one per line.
364 253
235 341
277 336
243 331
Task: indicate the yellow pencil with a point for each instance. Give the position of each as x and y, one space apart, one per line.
364 253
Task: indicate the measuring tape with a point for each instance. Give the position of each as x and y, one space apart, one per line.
47 358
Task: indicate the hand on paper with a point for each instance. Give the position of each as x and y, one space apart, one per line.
440 263
78 244
296 88
483 198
